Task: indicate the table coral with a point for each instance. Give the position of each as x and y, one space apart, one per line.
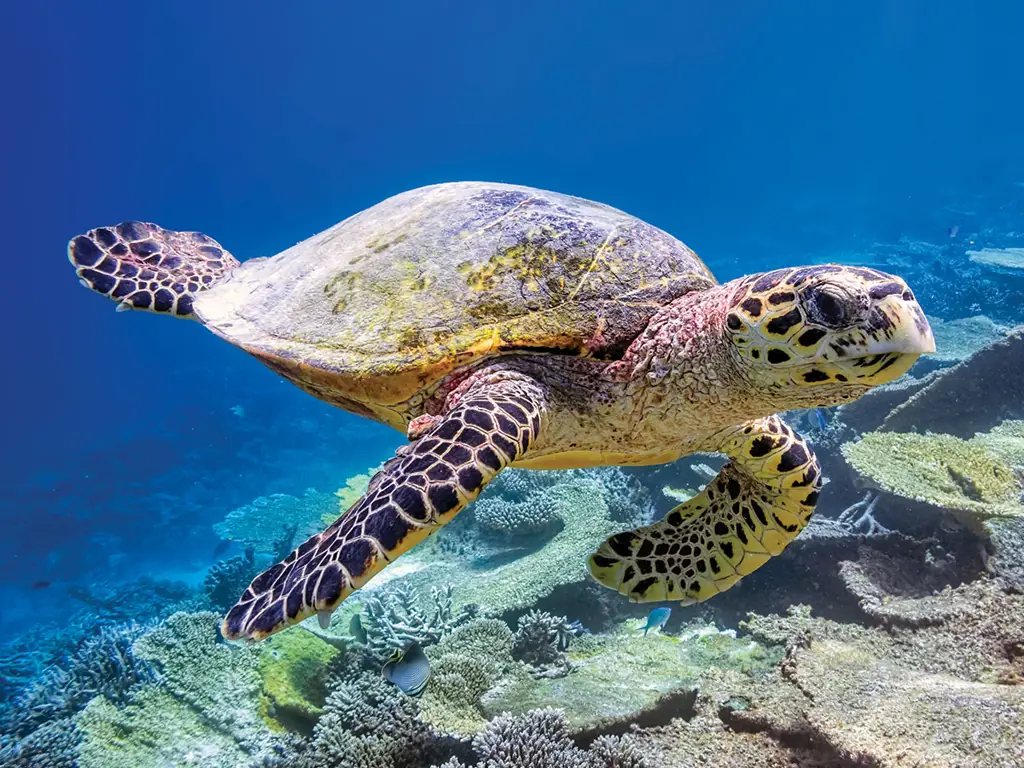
260 522
945 471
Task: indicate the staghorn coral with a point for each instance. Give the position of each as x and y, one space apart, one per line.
226 580
368 723
394 619
52 745
103 665
536 515
260 522
540 739
967 475
541 641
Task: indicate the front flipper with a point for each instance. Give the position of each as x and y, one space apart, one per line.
756 505
409 499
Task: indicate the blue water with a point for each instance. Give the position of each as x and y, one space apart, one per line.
762 134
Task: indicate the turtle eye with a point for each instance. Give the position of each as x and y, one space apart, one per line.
827 306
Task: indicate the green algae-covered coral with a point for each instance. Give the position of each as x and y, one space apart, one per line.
293 668
205 710
627 672
157 730
464 666
977 475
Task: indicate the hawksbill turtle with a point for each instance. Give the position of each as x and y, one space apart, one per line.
501 326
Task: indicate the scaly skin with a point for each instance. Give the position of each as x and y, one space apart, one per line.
691 381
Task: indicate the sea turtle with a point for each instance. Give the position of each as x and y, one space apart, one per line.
499 326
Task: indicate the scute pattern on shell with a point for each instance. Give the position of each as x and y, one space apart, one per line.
395 297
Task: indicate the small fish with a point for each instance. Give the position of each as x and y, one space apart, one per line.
408 669
657 618
953 231
818 419
238 410
355 628
41 584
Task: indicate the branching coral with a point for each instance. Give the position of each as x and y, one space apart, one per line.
540 739
261 522
52 745
541 641
535 515
969 475
393 619
368 723
226 580
104 665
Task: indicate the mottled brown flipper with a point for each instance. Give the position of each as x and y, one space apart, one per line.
756 505
143 266
409 499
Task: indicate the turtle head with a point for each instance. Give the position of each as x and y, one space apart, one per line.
822 335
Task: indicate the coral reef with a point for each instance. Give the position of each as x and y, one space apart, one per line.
206 708
260 523
104 665
465 665
975 395
293 667
541 641
626 676
537 514
226 580
956 340
1006 260
541 739
368 723
393 619
970 475
152 598
53 745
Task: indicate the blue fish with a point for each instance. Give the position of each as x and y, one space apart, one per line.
657 618
818 418
355 628
409 669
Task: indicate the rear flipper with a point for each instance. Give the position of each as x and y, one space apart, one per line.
143 266
759 503
414 495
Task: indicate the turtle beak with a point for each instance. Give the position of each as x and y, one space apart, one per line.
896 334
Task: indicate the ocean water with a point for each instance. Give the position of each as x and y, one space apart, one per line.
150 470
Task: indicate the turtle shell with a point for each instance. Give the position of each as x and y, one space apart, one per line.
375 310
